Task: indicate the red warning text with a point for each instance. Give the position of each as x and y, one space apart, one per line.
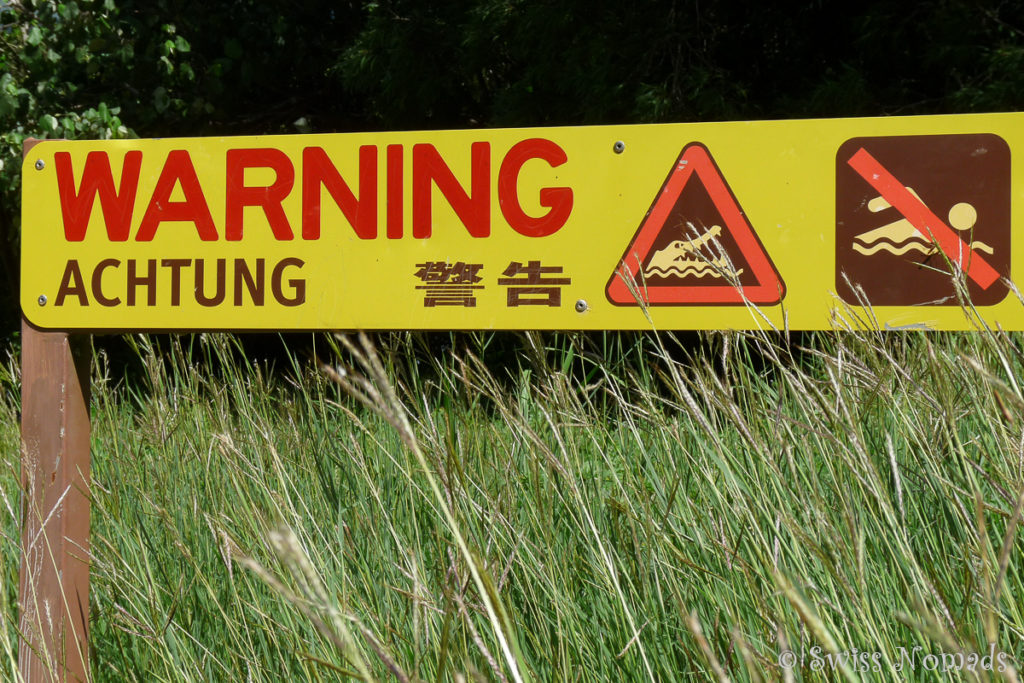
179 196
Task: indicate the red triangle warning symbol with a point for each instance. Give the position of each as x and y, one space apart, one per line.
695 246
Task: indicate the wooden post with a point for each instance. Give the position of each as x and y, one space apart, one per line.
53 589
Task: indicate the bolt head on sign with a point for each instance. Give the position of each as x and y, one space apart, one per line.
915 212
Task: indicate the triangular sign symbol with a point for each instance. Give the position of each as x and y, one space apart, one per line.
695 246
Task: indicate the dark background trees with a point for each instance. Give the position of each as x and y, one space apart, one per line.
109 68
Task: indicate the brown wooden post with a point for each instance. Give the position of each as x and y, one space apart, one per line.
53 590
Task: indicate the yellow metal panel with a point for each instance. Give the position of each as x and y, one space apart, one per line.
809 213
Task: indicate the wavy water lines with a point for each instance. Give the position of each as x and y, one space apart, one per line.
685 267
896 249
923 247
697 269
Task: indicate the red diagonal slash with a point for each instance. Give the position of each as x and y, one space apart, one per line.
923 218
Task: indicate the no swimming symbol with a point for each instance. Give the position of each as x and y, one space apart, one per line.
913 212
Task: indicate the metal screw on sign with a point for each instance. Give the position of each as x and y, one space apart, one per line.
42 299
581 306
40 164
619 147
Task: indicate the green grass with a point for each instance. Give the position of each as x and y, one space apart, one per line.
592 508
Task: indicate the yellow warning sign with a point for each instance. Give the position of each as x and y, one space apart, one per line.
795 224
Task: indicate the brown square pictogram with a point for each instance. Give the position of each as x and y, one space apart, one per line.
914 211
